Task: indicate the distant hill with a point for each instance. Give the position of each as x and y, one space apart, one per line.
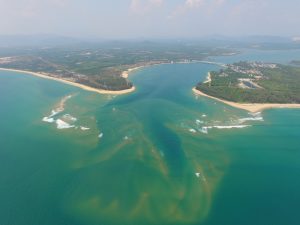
35 40
239 41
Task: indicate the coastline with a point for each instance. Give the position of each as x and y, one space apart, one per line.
84 87
208 78
125 74
251 107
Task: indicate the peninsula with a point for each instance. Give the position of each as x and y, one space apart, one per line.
253 86
101 67
65 81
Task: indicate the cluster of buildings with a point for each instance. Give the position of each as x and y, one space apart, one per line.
5 60
253 69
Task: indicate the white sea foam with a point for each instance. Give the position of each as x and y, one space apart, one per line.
258 118
199 175
199 122
48 120
255 114
227 127
84 128
69 117
230 127
60 124
203 130
54 112
192 130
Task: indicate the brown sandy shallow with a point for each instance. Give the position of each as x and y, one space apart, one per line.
84 87
251 107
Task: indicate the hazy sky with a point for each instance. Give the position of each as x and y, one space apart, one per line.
150 18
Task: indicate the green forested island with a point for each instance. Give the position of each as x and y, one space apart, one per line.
254 82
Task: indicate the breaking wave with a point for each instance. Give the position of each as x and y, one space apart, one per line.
60 124
192 130
84 128
203 130
48 120
54 113
68 117
227 127
255 114
198 122
257 117
59 109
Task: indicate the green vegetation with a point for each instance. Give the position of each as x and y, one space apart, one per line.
100 65
254 82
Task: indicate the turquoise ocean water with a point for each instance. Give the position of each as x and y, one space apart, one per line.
157 156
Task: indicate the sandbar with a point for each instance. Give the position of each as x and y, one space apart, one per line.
251 107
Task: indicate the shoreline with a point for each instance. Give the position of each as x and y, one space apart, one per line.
82 86
125 74
251 107
208 78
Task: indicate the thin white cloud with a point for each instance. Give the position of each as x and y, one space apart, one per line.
30 8
193 3
149 17
188 5
144 6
